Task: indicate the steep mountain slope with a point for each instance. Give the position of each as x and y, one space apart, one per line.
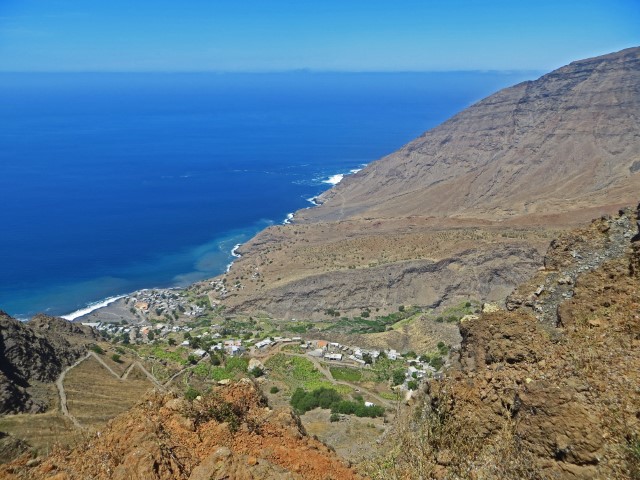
466 210
548 390
567 141
33 352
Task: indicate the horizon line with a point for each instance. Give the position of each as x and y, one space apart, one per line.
273 72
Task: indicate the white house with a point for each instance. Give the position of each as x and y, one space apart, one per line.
333 356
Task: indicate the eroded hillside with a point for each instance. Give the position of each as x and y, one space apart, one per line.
35 353
549 389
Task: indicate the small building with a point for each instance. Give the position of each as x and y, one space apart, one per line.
323 344
333 356
235 350
357 360
369 404
263 343
199 352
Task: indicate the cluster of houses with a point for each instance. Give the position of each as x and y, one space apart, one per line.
333 351
321 349
163 301
336 351
232 348
137 333
267 342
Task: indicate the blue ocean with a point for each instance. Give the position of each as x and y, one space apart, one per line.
113 182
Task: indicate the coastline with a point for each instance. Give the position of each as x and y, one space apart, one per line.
92 307
112 302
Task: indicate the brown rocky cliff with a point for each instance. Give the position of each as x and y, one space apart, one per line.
230 433
36 351
531 398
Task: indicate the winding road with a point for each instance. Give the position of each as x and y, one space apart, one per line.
64 409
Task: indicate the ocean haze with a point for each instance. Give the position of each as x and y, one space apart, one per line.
115 182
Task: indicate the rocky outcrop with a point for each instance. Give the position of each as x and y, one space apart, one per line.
36 351
230 433
535 398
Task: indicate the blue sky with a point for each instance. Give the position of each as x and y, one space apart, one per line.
275 35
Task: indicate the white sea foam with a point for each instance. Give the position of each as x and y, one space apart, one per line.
289 219
334 179
234 253
355 170
312 201
91 307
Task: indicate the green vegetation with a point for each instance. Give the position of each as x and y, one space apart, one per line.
96 349
365 324
384 367
303 401
234 366
442 348
191 394
179 355
274 390
346 374
203 302
633 453
300 327
334 417
298 372
455 313
116 358
397 377
293 349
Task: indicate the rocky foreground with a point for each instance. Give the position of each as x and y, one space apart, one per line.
229 433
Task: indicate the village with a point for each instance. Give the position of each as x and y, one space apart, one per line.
199 343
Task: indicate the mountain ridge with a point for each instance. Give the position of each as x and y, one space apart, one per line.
500 122
518 166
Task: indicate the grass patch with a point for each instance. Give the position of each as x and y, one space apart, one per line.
346 374
297 372
455 313
179 355
363 324
234 367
